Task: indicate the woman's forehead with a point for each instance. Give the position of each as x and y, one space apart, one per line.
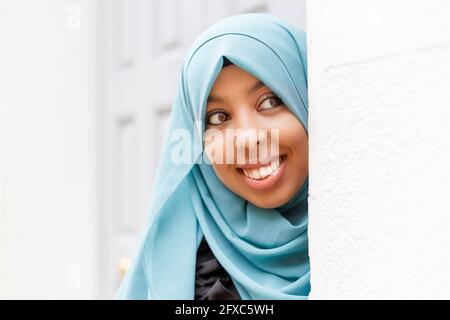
234 75
236 80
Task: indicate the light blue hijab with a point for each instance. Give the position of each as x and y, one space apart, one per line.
265 251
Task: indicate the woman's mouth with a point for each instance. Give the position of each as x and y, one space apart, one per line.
264 176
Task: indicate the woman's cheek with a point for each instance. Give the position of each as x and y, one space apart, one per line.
292 133
215 146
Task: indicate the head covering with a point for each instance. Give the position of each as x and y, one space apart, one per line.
265 253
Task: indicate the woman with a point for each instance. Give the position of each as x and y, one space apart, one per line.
246 74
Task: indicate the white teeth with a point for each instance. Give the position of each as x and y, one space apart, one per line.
275 164
263 172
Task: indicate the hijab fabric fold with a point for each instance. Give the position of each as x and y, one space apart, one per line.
265 251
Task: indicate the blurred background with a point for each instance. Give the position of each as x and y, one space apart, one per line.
86 88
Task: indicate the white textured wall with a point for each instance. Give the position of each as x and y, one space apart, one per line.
48 203
379 73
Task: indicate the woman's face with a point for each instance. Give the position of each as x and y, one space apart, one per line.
273 163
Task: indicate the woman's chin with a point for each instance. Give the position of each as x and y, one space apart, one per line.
271 202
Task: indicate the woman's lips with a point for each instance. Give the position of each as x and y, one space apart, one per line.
267 182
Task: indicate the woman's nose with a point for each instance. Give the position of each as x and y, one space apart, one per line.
249 133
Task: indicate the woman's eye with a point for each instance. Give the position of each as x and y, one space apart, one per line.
270 103
217 118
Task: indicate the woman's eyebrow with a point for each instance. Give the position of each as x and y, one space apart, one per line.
258 84
255 86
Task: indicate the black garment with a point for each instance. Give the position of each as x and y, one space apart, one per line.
212 281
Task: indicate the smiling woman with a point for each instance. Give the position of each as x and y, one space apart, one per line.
242 104
233 227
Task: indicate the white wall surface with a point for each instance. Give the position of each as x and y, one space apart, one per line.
48 210
379 85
